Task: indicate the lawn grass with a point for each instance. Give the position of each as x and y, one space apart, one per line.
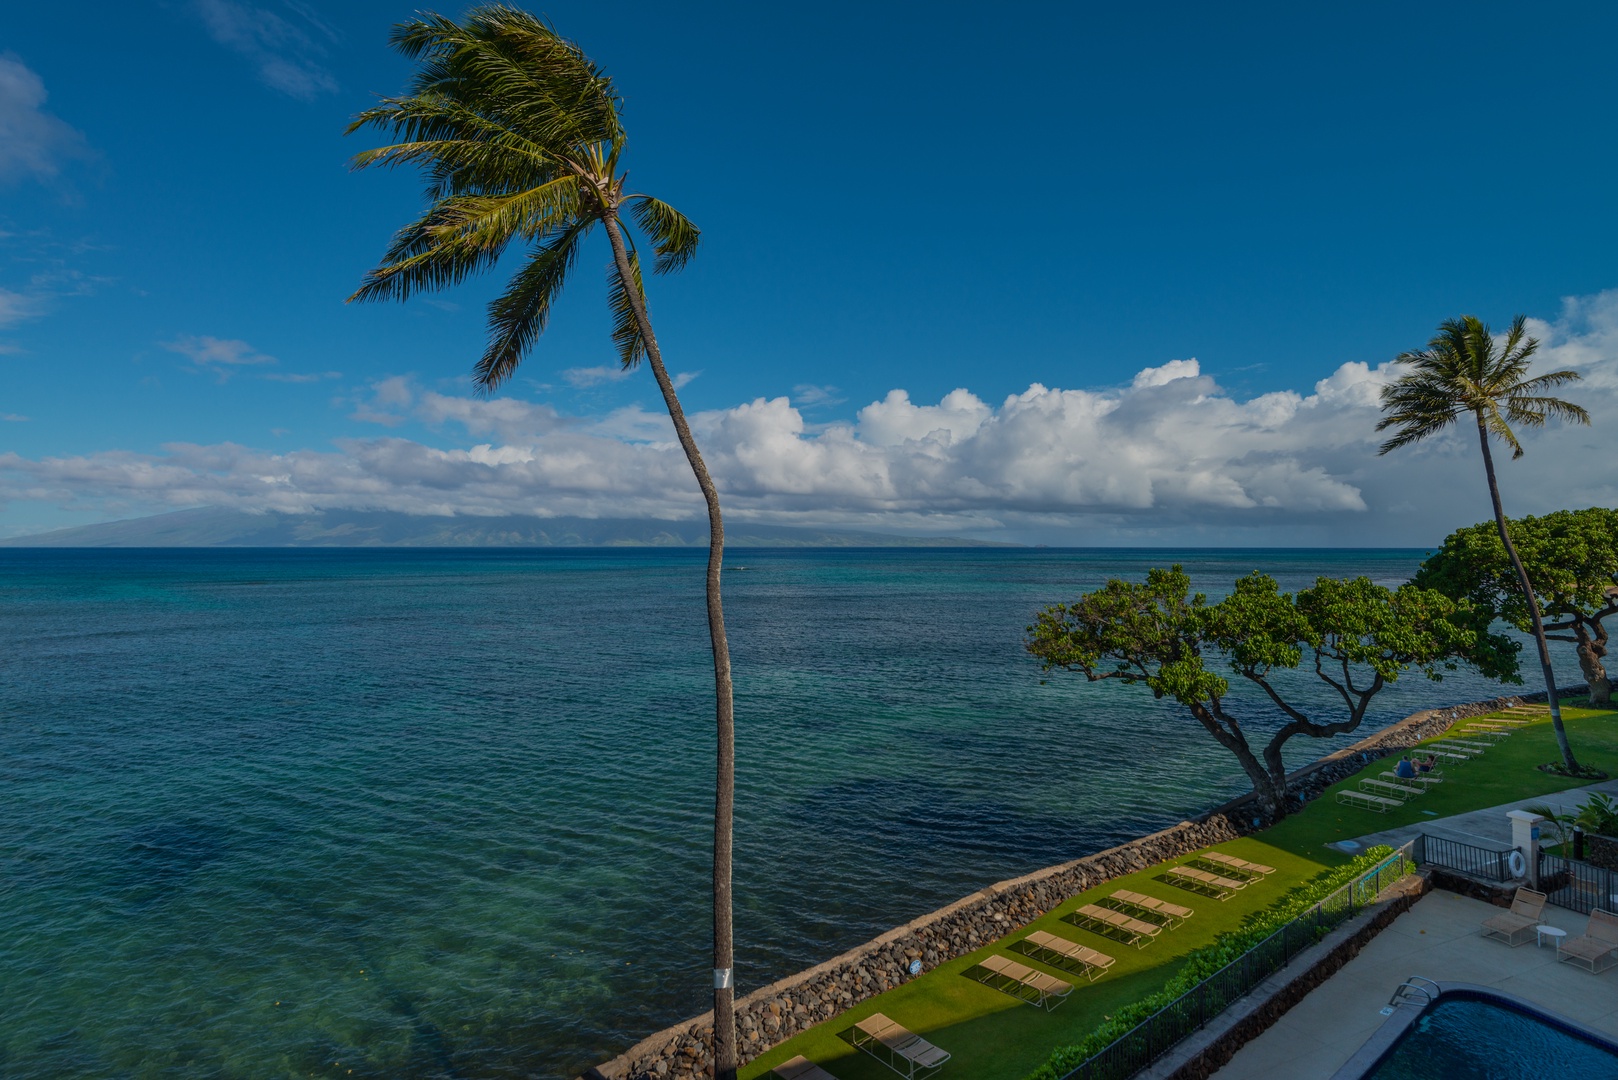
1505 773
995 1037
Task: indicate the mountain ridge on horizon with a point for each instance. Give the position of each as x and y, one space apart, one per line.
221 527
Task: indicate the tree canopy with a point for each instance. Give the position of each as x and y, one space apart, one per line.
1355 635
1571 557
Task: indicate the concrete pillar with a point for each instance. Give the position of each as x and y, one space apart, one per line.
1525 838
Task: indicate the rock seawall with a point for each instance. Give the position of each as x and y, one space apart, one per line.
776 1012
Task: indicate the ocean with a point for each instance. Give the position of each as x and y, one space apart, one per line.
447 813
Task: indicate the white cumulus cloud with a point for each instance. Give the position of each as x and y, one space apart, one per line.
1167 456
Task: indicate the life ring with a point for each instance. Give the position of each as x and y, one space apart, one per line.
1517 864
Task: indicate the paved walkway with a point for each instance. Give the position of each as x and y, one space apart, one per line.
1490 826
1437 938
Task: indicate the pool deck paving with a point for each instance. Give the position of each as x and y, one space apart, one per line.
1439 939
1489 825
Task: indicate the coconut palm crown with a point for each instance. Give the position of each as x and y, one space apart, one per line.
1464 370
519 138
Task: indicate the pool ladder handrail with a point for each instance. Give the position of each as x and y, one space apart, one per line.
1407 991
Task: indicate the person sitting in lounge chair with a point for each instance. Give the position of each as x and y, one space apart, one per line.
1426 764
1405 770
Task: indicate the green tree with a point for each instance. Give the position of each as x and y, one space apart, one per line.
520 139
1571 556
1356 636
1463 370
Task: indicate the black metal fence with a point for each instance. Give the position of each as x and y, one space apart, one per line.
1489 864
1158 1033
1577 885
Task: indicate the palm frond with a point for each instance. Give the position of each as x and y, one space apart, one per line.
427 255
1534 411
1418 405
625 327
518 316
1497 426
519 71
1544 382
673 237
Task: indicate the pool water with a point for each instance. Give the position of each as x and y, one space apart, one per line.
1481 1040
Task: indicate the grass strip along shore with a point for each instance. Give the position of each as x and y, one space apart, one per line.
993 1035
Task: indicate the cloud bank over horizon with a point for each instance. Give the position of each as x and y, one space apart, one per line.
1167 456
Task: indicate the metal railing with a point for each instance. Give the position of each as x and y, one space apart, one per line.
1159 1032
1577 885
1489 864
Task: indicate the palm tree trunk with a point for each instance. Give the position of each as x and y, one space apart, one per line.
724 1009
1533 602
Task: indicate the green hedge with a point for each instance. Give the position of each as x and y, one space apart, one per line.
1207 961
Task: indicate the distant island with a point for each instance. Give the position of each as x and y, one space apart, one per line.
214 527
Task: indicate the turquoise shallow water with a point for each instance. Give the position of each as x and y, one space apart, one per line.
446 814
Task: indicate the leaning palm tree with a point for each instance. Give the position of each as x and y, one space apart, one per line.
519 136
1463 370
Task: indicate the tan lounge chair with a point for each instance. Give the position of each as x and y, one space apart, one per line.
1022 982
1366 801
1200 881
1468 744
1526 908
1223 863
1061 953
801 1068
901 1050
1599 943
1114 924
1171 913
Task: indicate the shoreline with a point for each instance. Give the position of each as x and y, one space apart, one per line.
771 1014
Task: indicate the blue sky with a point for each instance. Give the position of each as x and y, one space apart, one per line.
923 199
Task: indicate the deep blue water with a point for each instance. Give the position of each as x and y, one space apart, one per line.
447 813
1470 1038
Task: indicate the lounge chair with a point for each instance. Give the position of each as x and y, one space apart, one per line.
1401 791
1448 755
801 1068
901 1050
1158 909
1021 981
1234 863
1492 734
1467 744
1526 908
1425 780
1366 801
1599 943
1114 924
1059 952
1200 881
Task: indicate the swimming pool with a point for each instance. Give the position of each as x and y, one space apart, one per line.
1460 1030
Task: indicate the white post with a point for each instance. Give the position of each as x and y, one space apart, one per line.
1525 838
